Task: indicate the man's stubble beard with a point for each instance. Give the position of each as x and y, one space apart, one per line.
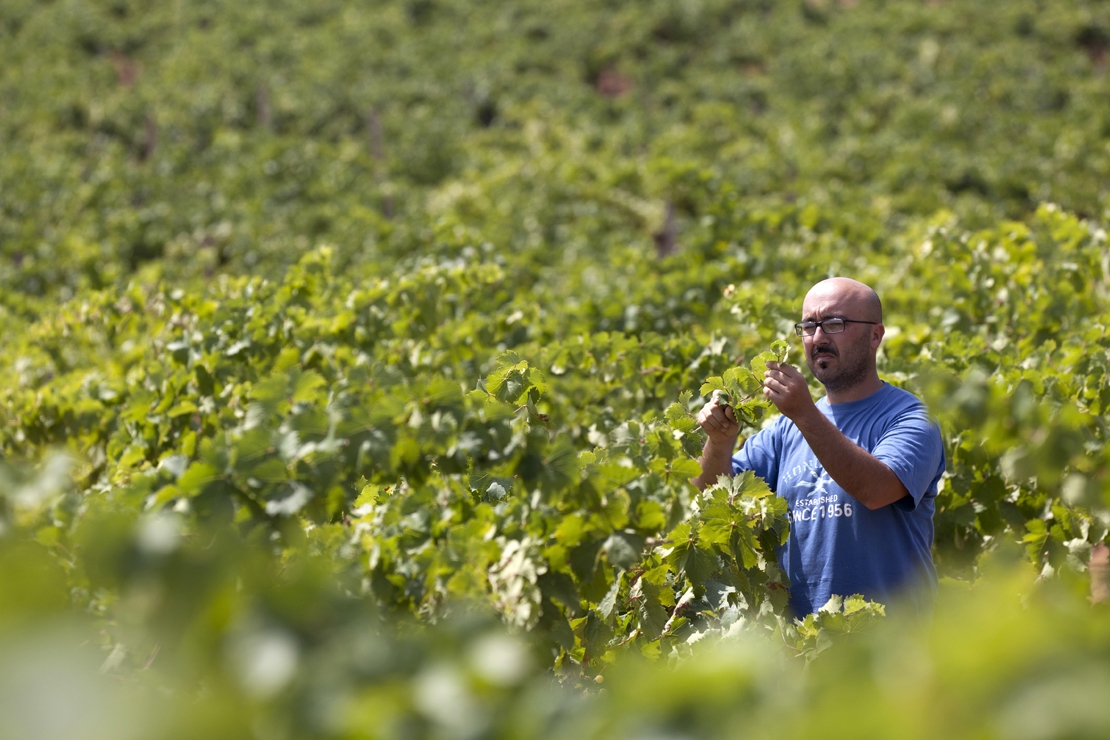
853 369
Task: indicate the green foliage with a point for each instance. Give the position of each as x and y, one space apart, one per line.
410 128
286 644
742 389
350 372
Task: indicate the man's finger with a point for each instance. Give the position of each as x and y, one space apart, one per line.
774 385
785 379
773 378
718 418
786 369
783 370
723 420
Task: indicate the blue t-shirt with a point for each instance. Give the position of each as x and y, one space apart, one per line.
836 544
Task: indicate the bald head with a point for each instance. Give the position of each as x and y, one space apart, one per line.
844 360
848 295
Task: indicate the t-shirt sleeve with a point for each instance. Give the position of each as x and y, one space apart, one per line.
912 448
760 455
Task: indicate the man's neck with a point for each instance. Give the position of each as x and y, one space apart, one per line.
857 392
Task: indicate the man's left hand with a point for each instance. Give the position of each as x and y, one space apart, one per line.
784 386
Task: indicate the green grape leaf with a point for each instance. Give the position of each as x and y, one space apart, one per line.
684 468
744 548
305 386
781 350
624 550
608 602
650 612
195 477
714 383
759 364
688 556
650 516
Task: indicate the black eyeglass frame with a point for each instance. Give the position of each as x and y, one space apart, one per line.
815 325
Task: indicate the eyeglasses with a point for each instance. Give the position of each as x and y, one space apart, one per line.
829 326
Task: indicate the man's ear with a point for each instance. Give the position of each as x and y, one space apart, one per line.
877 333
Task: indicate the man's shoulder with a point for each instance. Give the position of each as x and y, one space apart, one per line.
889 401
900 398
902 409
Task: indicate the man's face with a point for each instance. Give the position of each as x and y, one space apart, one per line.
843 360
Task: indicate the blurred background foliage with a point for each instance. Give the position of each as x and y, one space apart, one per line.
194 137
351 350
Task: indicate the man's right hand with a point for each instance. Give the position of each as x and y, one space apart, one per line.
719 422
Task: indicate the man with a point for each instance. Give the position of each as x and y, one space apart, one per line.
858 469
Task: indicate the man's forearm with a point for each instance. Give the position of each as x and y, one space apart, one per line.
715 461
866 478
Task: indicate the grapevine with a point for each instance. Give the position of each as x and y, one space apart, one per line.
350 372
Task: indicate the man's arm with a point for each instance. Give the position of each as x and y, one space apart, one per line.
866 478
719 423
